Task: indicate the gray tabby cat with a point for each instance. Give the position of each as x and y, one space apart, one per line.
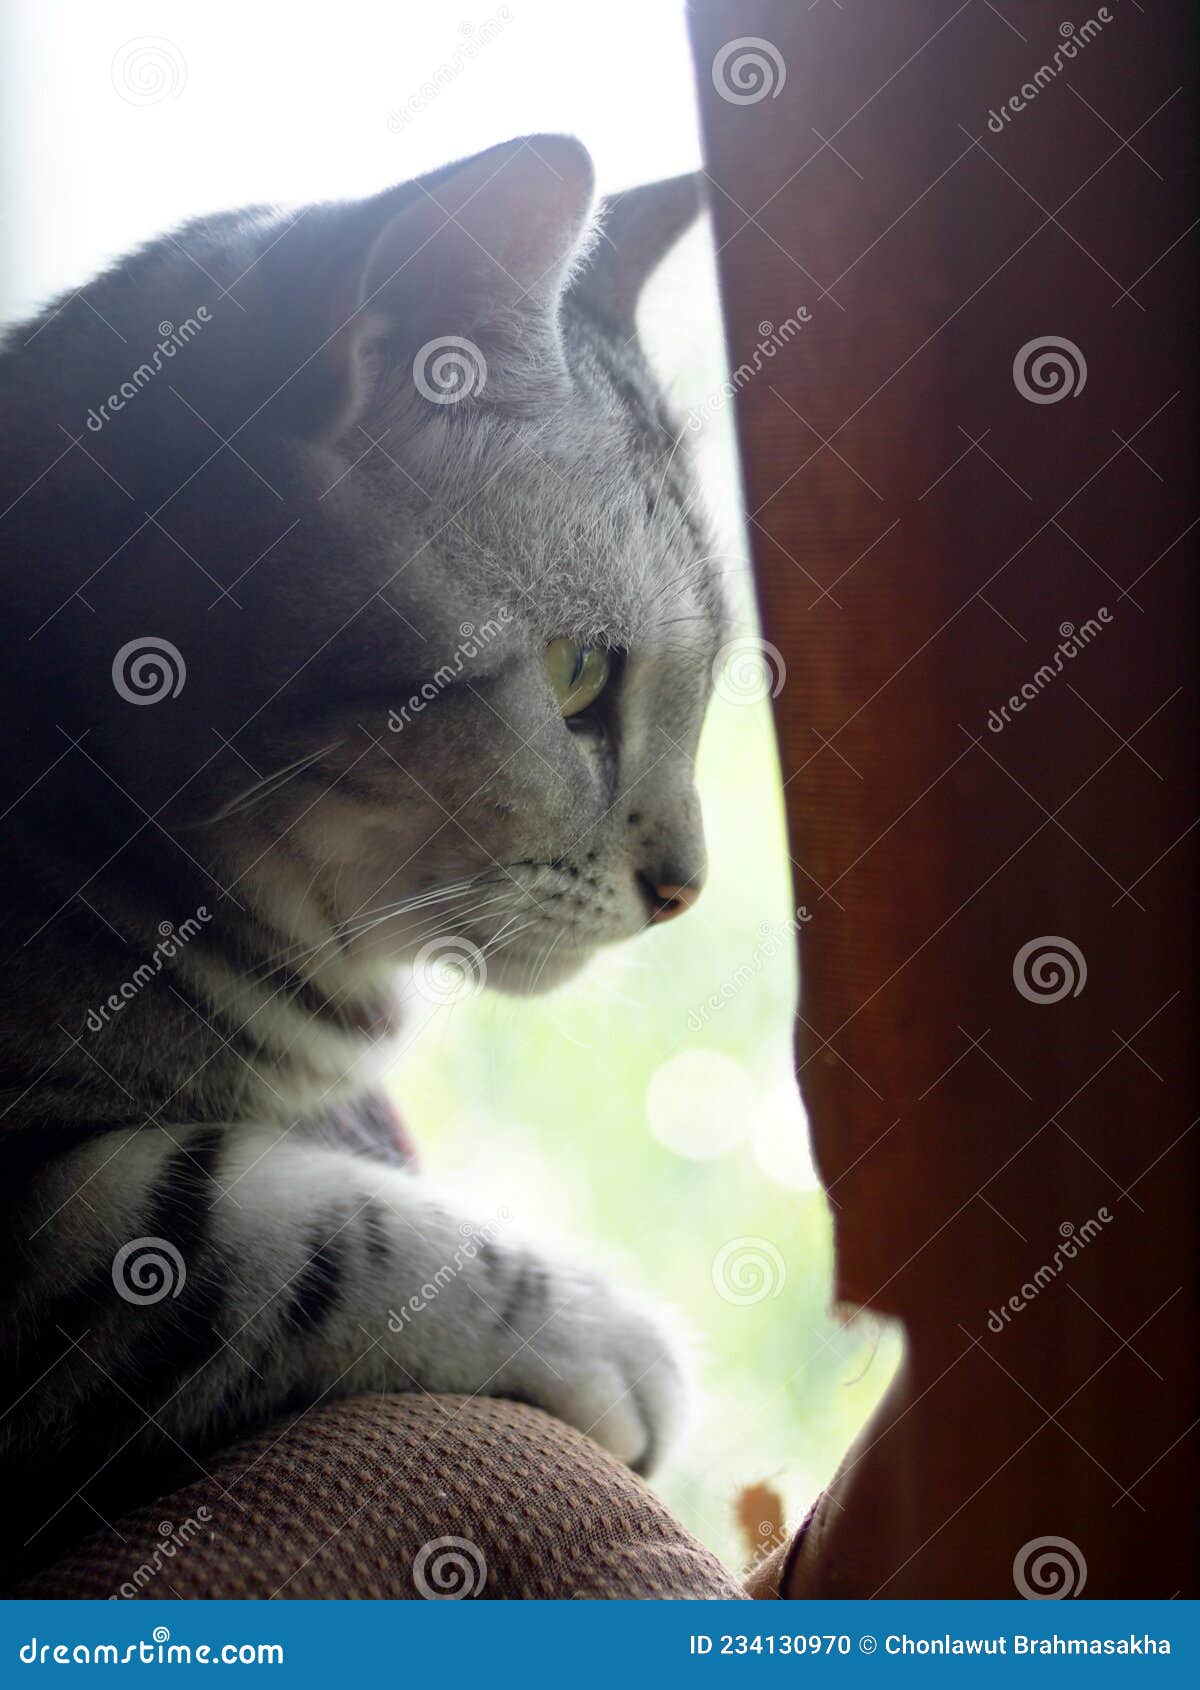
355 601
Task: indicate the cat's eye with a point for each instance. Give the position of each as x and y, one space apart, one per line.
578 673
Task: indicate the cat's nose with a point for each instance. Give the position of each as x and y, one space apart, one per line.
669 900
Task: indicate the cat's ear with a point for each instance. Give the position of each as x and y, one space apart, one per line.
636 231
455 280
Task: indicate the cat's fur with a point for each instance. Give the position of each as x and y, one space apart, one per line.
319 539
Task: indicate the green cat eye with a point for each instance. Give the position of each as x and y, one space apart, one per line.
578 673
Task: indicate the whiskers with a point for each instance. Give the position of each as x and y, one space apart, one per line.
442 909
265 787
450 908
514 928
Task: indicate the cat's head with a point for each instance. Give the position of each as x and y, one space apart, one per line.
392 491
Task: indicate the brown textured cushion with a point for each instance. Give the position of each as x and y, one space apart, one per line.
347 1500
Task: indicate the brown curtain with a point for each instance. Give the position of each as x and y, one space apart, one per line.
950 511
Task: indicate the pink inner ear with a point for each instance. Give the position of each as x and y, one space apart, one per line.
496 233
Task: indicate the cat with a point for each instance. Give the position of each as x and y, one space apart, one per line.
360 617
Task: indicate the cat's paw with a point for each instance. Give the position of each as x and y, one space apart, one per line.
600 1361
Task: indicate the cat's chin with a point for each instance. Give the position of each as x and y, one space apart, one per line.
518 976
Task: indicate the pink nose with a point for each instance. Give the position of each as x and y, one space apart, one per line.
673 901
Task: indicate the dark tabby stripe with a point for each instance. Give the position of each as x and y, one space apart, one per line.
375 1230
185 1336
316 1290
526 1292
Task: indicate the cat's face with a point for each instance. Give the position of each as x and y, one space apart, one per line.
520 635
423 533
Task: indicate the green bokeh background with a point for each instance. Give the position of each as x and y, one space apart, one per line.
540 1106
